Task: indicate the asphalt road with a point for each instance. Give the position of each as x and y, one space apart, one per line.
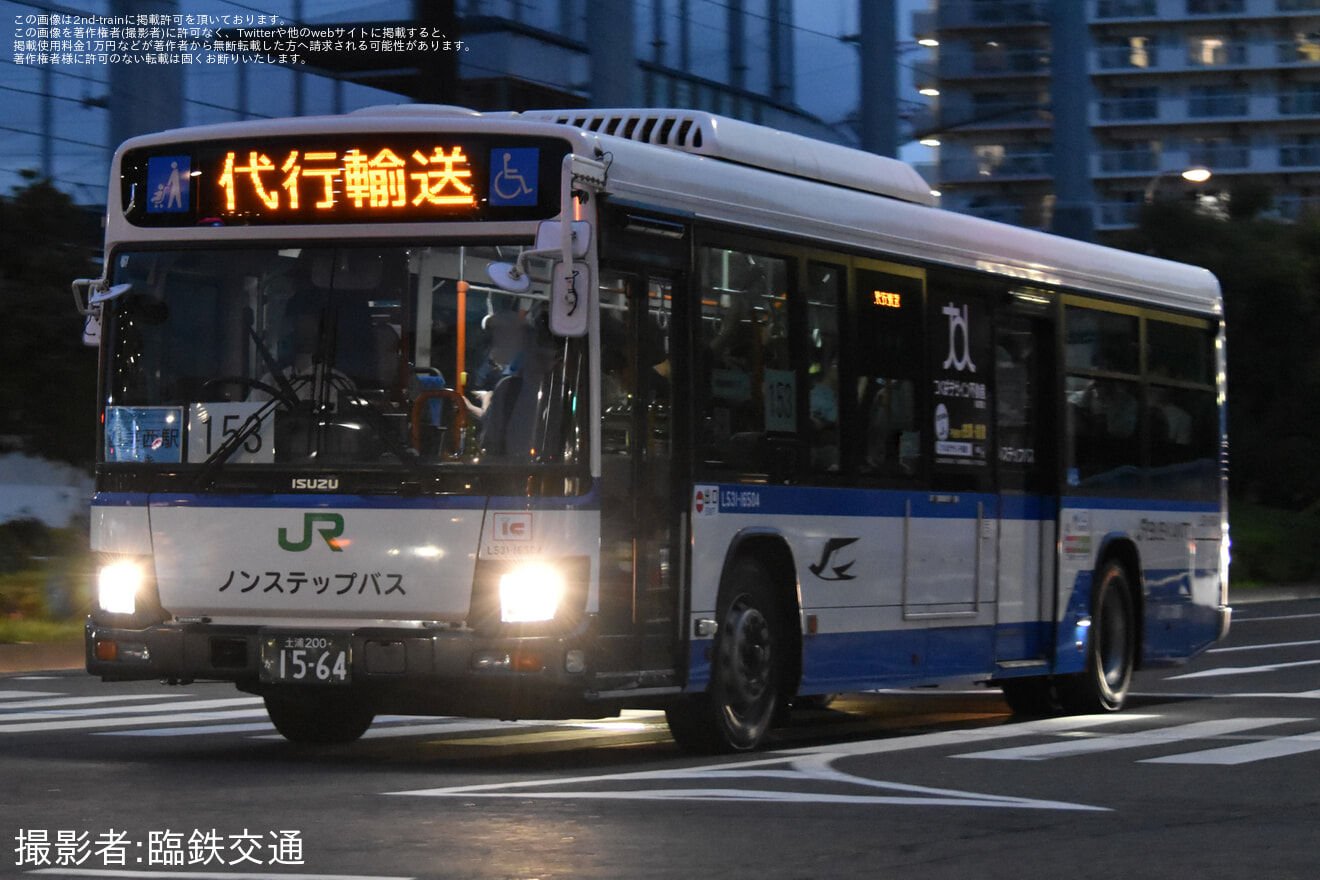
1211 772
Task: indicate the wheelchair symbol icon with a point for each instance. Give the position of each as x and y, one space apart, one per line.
509 183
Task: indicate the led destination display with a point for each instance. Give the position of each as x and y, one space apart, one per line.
377 178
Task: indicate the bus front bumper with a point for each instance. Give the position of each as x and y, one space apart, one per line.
406 671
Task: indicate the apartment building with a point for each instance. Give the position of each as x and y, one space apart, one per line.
1230 86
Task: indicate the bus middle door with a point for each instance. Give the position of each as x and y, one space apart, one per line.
1024 426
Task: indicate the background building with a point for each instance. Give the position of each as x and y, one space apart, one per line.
1229 85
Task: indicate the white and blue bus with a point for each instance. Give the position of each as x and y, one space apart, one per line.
420 410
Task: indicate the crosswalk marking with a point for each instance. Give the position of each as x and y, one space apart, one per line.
1264 647
57 700
11 721
19 695
1139 739
130 721
202 730
158 716
1242 670
1246 753
27 694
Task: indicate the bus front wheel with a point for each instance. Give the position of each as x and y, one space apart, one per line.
747 669
318 718
1110 648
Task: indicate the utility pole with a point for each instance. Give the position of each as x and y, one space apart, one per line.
879 66
613 59
1070 101
144 97
437 72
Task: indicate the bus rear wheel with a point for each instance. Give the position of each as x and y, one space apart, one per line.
318 718
747 669
1110 648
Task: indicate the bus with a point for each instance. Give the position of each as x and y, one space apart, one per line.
551 414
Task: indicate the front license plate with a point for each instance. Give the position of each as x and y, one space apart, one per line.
306 659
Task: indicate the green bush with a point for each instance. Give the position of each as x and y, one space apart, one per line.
1274 546
44 572
22 539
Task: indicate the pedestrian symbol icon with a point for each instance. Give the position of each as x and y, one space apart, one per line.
168 180
514 175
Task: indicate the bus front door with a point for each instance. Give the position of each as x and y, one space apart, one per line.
640 570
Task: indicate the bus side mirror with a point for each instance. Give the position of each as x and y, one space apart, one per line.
85 300
92 330
570 295
90 296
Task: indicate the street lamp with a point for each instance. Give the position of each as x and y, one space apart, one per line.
1196 174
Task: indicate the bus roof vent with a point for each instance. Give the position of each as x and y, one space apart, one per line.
732 140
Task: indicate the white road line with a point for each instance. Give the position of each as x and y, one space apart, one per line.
192 731
1140 739
1264 647
62 700
797 775
18 695
1242 670
832 752
1246 695
1245 753
131 721
1237 619
9 718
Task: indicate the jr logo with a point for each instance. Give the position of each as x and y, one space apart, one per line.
333 527
957 320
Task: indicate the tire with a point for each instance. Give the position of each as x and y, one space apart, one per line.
748 660
1110 648
318 718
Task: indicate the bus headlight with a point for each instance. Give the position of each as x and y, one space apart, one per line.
119 584
531 593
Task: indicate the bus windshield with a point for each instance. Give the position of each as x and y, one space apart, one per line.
331 355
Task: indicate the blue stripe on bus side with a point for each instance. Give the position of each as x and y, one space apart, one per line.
737 499
742 500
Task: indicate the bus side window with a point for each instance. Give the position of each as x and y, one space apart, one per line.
824 283
888 364
1104 399
749 387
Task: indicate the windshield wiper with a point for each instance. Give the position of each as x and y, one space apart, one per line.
288 396
216 460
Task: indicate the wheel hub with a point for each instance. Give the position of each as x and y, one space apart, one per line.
747 656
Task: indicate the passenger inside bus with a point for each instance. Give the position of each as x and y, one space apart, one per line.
506 334
521 421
